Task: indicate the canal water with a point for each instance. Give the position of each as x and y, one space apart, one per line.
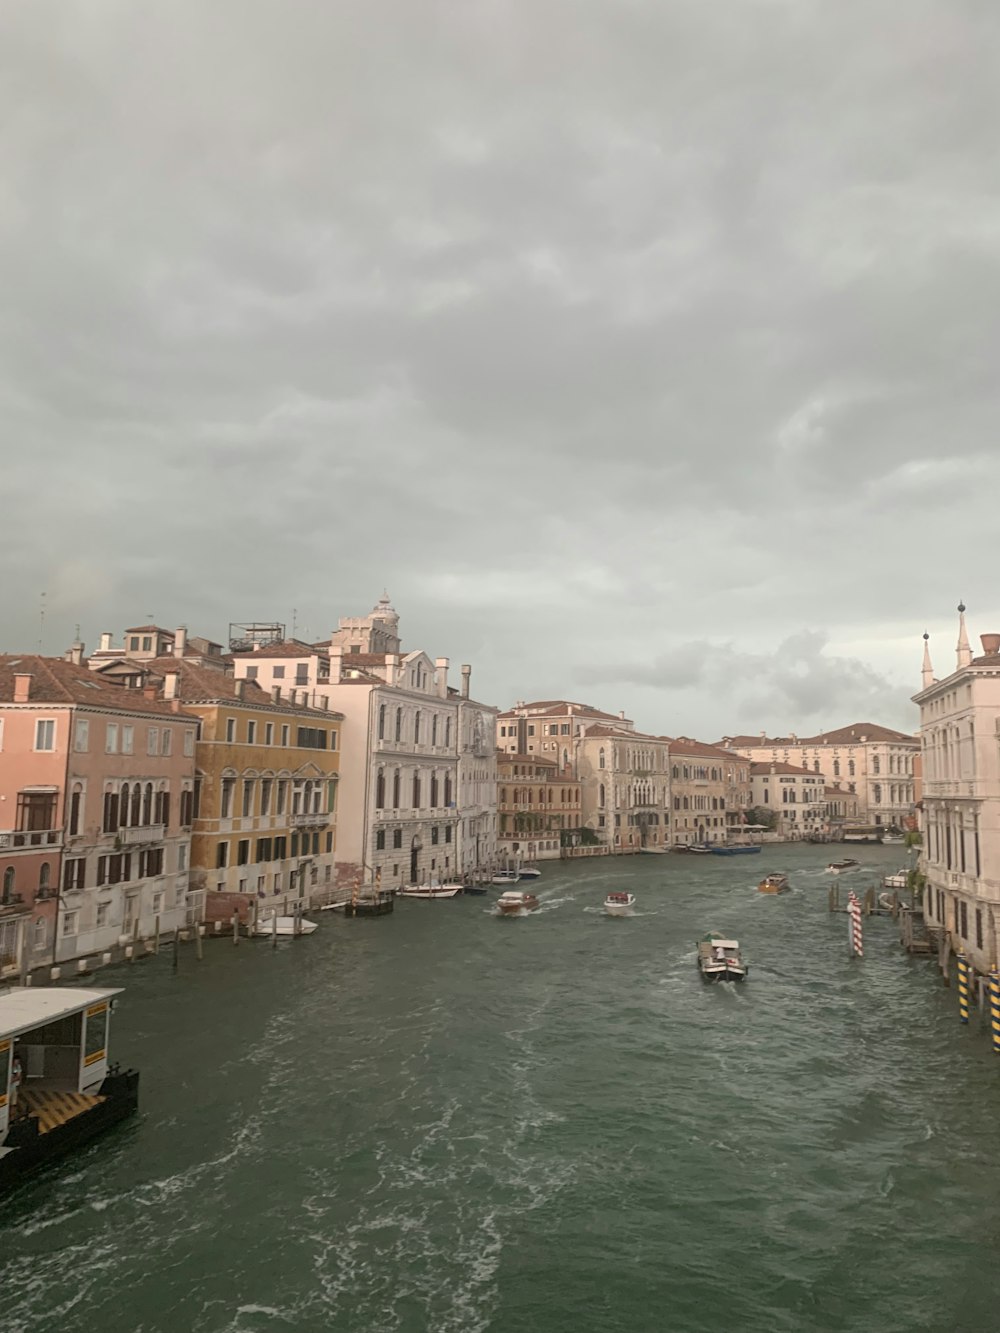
442 1122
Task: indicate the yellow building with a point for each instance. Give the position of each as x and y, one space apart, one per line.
538 806
266 771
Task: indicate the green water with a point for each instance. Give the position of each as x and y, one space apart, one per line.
444 1121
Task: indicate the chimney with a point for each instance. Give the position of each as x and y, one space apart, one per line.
621 714
22 687
240 685
391 668
180 640
276 693
336 662
170 684
324 703
441 676
466 679
106 641
991 644
76 653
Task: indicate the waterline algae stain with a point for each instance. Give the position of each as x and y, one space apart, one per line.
432 1123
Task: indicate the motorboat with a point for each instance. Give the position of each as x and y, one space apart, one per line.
476 890
657 851
429 891
515 902
619 904
283 925
698 849
838 867
720 959
506 877
736 849
774 884
529 872
893 839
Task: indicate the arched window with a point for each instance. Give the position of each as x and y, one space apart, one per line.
600 758
600 794
44 871
878 793
416 791
850 768
447 789
381 722
147 804
434 729
380 790
815 765
687 804
399 724
876 765
836 768
395 789
565 759
123 806
434 790
416 727
136 804
8 882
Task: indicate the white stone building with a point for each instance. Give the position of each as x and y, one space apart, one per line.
550 727
795 795
624 787
960 735
417 786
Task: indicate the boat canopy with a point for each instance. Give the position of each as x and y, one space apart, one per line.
26 1007
724 944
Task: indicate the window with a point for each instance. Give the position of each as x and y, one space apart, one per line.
302 673
381 722
8 883
416 791
103 911
850 768
280 848
147 643
434 729
227 797
447 732
600 759
333 740
268 733
434 834
251 733
150 863
75 801
397 837
979 928
263 851
278 673
399 724
157 903
152 740
395 790
81 736
281 796
447 833
876 765
128 741
265 796
243 852
45 734
133 643
182 856
416 727
247 797
380 840
252 672
310 738
380 790
36 811
166 741
70 920
230 729
285 734
434 791
187 809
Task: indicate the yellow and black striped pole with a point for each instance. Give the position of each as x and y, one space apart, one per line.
963 988
995 1008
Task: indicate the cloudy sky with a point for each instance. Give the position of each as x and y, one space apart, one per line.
645 350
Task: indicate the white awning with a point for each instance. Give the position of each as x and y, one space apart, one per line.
25 1007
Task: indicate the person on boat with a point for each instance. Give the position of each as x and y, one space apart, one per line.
720 953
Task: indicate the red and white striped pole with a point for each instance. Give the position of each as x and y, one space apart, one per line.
854 925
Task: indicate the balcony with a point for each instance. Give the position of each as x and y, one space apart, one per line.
138 837
18 839
309 821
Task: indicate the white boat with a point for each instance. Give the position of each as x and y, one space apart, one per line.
721 960
619 904
839 867
286 925
429 891
893 839
514 903
529 872
654 851
505 877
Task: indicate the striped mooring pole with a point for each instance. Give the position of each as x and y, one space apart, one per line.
963 987
854 925
995 1008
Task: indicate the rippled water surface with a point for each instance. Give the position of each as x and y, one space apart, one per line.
444 1121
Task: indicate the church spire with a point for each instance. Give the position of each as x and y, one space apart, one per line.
927 674
963 651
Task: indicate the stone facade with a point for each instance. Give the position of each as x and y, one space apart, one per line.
625 787
550 728
796 796
539 808
710 790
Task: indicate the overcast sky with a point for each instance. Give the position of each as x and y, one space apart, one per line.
645 350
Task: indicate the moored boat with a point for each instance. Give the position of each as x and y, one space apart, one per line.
656 851
773 884
838 867
283 925
735 849
619 904
58 1090
720 959
529 872
429 891
505 877
515 903
699 849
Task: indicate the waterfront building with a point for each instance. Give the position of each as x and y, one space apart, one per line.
875 763
710 791
625 786
841 808
796 796
539 808
144 644
959 726
549 727
98 784
418 778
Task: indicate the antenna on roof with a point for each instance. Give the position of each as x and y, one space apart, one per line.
41 621
295 621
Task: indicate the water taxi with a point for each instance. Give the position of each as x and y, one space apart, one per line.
773 884
619 904
505 877
720 959
529 872
283 925
430 891
57 1090
838 867
516 903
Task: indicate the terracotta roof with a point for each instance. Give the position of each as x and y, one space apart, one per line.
684 745
364 659
198 684
774 766
56 681
525 759
601 729
284 648
849 735
840 791
150 629
559 708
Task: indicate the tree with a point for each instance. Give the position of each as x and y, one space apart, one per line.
760 814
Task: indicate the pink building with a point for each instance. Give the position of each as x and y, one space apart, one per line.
96 806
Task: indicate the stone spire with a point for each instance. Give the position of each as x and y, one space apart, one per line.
927 675
963 651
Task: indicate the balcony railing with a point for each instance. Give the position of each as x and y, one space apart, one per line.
309 821
136 837
12 839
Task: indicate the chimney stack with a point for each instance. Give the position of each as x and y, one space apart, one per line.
180 640
441 676
240 685
22 687
276 694
170 684
466 679
106 641
76 653
336 662
391 668
991 644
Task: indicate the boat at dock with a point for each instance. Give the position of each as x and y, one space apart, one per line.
283 925
698 849
516 903
368 902
720 959
430 891
659 851
736 849
506 877
838 867
619 904
54 1041
529 872
773 884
